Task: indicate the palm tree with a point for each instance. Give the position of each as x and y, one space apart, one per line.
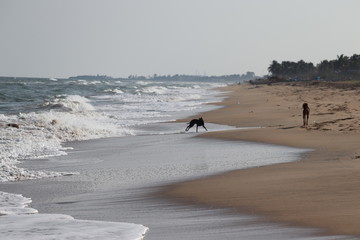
341 63
275 68
354 63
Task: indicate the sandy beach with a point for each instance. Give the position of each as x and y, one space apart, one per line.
321 190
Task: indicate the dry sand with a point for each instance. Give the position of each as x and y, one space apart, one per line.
323 189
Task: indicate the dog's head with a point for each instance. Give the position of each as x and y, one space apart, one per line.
305 105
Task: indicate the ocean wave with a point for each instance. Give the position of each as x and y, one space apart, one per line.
19 221
115 90
86 110
63 111
15 204
86 82
41 134
154 90
73 103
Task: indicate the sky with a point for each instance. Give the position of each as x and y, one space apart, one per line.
118 38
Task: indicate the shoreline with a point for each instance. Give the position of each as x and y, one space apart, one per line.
125 191
321 190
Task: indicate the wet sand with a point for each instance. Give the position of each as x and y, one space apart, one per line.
119 177
321 190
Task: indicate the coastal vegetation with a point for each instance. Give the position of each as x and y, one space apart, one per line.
341 68
177 77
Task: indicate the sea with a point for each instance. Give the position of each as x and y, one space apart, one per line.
49 112
102 147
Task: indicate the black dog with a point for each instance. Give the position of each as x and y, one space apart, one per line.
198 122
306 113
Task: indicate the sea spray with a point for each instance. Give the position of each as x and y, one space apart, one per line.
51 112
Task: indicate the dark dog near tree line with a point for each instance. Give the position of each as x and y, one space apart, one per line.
198 122
306 113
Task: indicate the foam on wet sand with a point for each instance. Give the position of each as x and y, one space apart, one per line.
19 221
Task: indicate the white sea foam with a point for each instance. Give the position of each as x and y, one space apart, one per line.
154 90
56 226
41 134
113 111
115 90
18 221
14 204
65 111
87 82
73 103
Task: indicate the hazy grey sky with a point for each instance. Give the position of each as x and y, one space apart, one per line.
62 38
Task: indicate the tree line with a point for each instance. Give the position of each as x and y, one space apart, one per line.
177 77
341 68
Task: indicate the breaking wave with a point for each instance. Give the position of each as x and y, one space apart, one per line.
48 113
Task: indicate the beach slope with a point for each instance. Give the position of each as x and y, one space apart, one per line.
321 190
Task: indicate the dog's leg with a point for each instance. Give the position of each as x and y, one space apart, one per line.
204 127
304 117
189 126
307 120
